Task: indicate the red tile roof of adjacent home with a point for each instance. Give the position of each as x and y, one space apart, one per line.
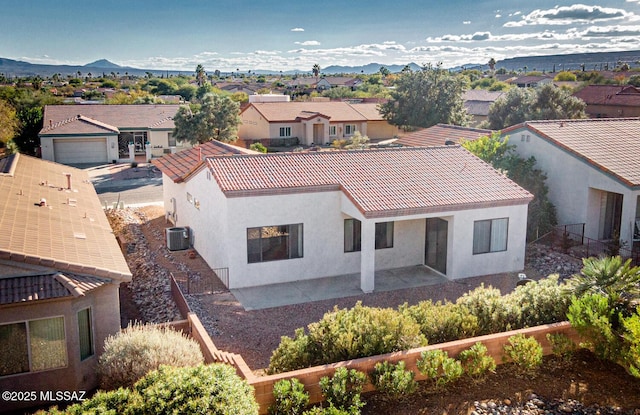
334 110
611 145
179 166
44 222
439 134
381 183
626 96
119 116
46 286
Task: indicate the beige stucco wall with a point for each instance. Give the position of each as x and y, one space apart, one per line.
253 126
77 375
381 130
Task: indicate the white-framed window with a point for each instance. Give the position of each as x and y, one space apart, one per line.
490 235
171 140
85 333
274 243
31 346
349 129
333 131
285 131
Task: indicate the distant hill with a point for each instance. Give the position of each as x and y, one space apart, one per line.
597 61
370 68
102 63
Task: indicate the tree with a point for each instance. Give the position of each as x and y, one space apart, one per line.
201 75
217 118
316 71
496 151
426 97
8 122
525 104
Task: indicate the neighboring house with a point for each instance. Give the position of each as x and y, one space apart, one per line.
477 102
610 101
593 171
441 134
74 134
60 269
530 81
311 123
311 83
281 217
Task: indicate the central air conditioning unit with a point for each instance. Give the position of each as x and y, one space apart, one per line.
178 239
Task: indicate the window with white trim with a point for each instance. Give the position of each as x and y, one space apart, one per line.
274 243
171 140
285 131
31 346
349 129
332 131
490 235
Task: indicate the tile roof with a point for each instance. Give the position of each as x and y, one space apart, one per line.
24 288
71 233
439 134
381 183
180 165
628 96
79 124
612 145
120 116
334 110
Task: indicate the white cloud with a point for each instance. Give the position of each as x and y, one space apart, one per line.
308 43
498 16
566 15
297 29
467 22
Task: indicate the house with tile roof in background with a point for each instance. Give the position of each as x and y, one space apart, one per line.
593 172
284 217
477 102
610 101
441 134
60 271
75 134
311 123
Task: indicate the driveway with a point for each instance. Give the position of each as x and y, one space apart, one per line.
126 185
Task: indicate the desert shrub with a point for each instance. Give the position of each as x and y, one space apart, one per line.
343 389
114 402
329 410
393 380
525 352
135 351
631 354
487 305
290 396
538 302
475 362
345 334
561 345
442 322
595 319
212 389
438 367
259 147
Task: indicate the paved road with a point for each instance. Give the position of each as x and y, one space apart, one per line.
130 192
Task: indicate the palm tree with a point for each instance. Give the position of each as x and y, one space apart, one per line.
316 71
201 75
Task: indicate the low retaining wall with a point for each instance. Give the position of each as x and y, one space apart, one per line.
310 377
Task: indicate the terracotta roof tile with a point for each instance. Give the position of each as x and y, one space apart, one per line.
610 95
439 134
73 236
381 183
335 111
609 144
180 165
23 288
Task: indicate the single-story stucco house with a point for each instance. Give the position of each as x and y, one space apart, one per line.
282 217
312 123
441 134
593 171
75 134
60 271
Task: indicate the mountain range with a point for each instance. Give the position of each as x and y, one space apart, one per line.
552 63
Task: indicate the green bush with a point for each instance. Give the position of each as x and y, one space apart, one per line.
438 367
345 334
631 356
442 322
595 319
561 345
135 351
487 304
212 389
394 381
343 389
115 402
290 396
475 362
525 352
538 302
329 410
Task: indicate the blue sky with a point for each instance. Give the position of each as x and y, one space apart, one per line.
286 35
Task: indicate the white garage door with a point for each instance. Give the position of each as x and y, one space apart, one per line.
76 151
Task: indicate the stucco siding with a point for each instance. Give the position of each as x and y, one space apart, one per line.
253 126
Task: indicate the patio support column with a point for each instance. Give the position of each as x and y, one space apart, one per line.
368 256
628 218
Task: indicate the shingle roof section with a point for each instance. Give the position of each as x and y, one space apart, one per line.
335 111
439 134
381 183
180 165
120 116
612 145
71 233
20 289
